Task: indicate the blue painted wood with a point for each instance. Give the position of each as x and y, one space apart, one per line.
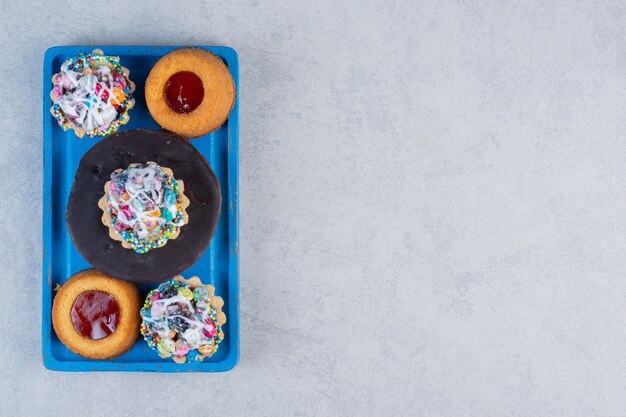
218 266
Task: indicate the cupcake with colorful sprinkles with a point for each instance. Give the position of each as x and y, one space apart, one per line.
92 94
183 319
144 206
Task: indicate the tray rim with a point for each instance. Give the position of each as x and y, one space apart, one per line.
49 361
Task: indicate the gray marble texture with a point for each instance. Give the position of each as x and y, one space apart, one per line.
432 208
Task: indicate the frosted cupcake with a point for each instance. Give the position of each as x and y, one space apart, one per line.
183 319
92 94
144 206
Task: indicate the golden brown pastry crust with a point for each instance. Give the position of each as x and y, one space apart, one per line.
129 301
219 92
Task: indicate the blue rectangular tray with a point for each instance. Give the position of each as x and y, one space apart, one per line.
219 265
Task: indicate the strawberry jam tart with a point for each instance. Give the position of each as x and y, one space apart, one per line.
92 94
95 315
190 91
183 319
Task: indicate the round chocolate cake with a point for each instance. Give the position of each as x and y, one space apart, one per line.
84 216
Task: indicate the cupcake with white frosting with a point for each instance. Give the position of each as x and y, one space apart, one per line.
144 206
92 94
183 319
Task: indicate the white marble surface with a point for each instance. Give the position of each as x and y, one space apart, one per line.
432 208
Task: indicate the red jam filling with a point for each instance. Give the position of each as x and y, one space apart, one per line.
184 92
95 314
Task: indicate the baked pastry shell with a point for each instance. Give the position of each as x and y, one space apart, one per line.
106 214
79 130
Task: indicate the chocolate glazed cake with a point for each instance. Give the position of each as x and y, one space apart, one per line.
84 217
